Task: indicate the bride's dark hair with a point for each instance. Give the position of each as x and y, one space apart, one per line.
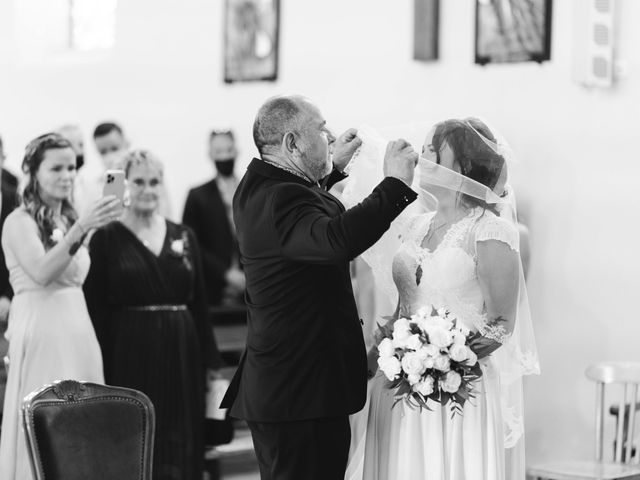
473 156
31 198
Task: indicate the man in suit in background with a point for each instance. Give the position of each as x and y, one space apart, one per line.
304 370
208 212
8 201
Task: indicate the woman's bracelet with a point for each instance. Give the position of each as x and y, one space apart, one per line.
75 246
84 232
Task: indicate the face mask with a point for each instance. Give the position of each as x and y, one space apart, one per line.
79 161
225 167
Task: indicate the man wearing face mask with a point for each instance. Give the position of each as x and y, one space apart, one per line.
208 212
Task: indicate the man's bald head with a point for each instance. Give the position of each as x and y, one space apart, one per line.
277 116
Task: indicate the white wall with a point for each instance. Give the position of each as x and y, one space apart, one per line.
578 148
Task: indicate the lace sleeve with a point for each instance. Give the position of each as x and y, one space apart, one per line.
496 228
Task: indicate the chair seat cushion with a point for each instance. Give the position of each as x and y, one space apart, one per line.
95 438
573 470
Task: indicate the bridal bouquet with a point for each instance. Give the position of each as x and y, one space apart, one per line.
428 356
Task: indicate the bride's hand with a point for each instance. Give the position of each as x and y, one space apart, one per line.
344 147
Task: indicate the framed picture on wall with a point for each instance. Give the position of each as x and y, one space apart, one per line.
426 20
513 31
251 40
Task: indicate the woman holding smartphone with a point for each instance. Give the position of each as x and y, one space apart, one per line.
145 295
50 333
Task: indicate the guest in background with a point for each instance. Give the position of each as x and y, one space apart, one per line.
50 333
8 202
112 146
208 212
73 134
146 298
111 143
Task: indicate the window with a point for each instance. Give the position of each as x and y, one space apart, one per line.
92 24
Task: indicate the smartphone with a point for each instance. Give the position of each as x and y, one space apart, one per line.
114 183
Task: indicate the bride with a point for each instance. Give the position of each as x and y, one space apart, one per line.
460 252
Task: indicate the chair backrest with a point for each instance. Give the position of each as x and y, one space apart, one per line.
626 374
79 430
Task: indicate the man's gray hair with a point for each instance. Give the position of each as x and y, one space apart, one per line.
277 116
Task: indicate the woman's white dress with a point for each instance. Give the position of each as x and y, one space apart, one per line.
50 338
401 443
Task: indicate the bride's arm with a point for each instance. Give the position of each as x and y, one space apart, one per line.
498 276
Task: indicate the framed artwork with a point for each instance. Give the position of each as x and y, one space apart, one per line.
513 31
426 16
251 40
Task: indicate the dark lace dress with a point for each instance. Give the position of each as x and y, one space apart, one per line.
150 317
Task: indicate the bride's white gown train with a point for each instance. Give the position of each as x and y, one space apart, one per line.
401 443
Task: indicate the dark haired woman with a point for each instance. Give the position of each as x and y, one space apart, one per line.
462 258
146 298
50 332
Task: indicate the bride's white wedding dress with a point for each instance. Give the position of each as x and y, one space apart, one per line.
401 443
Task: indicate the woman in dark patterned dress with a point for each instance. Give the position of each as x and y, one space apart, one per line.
145 296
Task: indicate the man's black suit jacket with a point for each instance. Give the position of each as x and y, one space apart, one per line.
305 356
206 214
9 189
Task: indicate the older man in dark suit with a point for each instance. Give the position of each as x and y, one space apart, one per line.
304 369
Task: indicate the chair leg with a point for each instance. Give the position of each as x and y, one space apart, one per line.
212 470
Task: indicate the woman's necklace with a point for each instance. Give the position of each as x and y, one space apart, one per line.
147 235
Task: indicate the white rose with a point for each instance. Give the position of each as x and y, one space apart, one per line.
459 338
472 358
413 379
386 348
177 246
414 342
412 364
458 353
425 387
56 235
401 332
422 323
442 363
430 350
451 382
440 337
390 366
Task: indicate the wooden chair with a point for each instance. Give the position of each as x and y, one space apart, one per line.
624 465
80 430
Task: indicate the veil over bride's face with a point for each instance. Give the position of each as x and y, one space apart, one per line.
441 154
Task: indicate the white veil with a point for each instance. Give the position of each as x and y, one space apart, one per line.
517 355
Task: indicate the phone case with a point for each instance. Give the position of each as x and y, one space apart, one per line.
114 183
